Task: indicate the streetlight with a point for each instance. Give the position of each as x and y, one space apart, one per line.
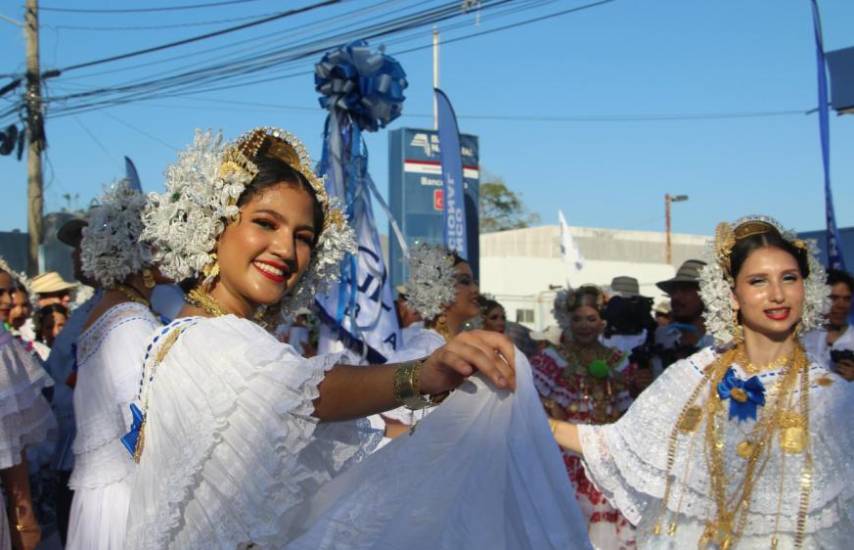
668 199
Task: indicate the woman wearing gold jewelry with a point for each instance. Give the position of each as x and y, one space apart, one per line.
747 444
584 382
234 430
441 288
109 357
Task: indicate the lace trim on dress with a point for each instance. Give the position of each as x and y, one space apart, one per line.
627 460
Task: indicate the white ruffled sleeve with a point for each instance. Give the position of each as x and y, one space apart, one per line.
230 443
25 416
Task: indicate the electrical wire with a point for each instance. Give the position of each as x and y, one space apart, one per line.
146 10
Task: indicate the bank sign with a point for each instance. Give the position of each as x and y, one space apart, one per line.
416 197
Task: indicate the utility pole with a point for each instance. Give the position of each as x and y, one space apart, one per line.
668 200
35 138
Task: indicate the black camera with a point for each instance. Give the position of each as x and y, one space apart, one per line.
837 355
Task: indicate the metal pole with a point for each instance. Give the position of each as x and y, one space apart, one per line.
35 129
668 250
435 77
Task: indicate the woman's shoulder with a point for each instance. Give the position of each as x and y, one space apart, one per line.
122 325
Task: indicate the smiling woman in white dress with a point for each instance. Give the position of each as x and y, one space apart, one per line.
109 358
230 438
749 444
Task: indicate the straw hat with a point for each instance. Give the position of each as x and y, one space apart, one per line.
689 272
50 282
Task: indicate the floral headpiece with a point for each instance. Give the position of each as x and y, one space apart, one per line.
430 287
566 298
20 278
110 248
202 190
716 280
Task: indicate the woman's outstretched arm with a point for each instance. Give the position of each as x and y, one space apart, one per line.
566 435
352 392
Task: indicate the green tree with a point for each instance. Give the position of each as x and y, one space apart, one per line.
501 208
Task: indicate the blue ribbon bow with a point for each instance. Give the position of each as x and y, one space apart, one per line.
745 396
367 85
129 440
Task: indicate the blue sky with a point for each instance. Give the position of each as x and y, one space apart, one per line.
627 57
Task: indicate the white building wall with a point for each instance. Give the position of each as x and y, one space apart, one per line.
521 268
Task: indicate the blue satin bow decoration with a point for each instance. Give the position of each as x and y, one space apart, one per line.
129 440
367 85
745 396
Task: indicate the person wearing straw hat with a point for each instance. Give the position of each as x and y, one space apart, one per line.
686 333
51 288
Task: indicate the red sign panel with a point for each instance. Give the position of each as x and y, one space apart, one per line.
438 200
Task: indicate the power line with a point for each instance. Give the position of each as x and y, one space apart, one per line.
156 27
205 36
147 10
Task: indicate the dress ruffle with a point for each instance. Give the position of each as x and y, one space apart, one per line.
627 461
25 416
110 355
230 443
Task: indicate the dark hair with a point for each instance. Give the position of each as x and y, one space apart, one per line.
273 171
488 304
586 295
835 276
458 259
746 246
628 315
44 318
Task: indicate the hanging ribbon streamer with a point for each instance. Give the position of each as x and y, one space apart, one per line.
363 91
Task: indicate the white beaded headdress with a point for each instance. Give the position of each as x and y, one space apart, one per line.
110 248
565 297
20 278
202 190
430 287
716 281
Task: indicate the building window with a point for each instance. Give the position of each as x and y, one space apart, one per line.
524 315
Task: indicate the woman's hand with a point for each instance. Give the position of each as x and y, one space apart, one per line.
491 353
25 531
845 368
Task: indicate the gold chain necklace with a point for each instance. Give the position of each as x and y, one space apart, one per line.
132 294
744 362
205 301
793 429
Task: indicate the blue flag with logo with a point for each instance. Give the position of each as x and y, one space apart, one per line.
452 176
834 248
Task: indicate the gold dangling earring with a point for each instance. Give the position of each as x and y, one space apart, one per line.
148 278
442 327
737 331
211 272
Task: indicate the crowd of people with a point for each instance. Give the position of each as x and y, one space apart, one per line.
183 403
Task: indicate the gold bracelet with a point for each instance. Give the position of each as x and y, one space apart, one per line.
407 390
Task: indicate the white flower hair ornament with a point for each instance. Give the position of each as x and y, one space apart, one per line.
430 287
202 190
21 278
566 298
716 281
110 248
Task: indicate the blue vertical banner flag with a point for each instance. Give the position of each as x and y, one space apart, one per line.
363 91
834 248
451 160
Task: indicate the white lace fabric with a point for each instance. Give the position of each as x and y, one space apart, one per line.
110 355
627 461
230 443
25 416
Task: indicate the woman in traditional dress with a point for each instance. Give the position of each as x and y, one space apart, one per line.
109 362
748 444
585 382
494 316
235 430
25 419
